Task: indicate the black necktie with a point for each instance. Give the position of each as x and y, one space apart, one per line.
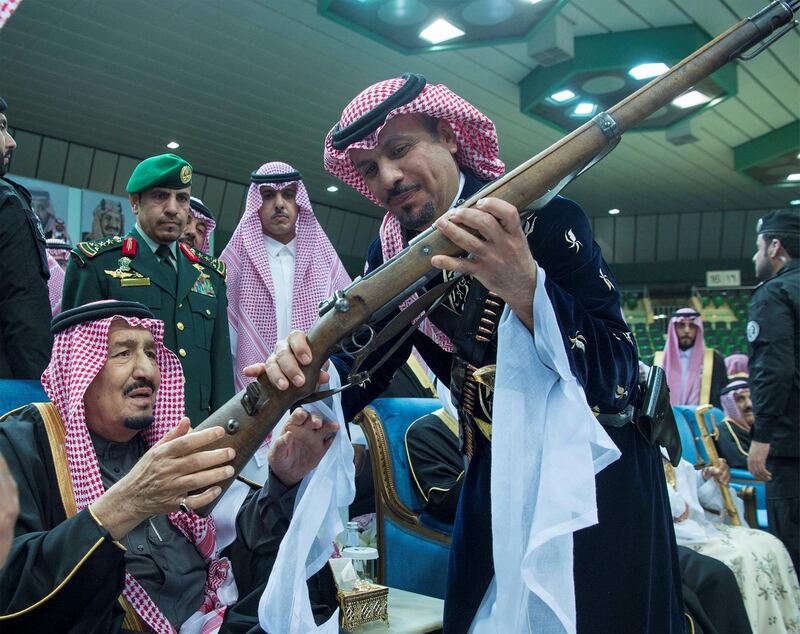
165 255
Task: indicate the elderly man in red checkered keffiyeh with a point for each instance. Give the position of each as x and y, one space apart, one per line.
123 532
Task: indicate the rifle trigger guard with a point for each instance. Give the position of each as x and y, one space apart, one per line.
356 343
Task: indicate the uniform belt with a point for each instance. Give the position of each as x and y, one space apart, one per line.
617 420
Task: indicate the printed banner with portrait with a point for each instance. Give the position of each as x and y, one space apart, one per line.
104 215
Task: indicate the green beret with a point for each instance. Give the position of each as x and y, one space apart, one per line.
780 221
164 170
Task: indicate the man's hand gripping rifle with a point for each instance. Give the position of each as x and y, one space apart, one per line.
347 320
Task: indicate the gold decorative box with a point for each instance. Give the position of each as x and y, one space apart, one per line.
364 603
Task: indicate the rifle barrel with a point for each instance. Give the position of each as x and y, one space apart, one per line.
249 420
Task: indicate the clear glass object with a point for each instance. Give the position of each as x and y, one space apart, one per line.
364 560
351 538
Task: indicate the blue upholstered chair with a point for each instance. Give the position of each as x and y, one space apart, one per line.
414 547
751 491
15 393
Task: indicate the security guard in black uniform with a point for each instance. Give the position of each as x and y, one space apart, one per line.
180 285
25 339
773 336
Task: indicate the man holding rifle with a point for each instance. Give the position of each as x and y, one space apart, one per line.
107 539
536 303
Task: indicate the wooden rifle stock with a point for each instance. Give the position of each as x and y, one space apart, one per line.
252 414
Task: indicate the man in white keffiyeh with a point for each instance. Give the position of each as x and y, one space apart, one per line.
108 479
548 484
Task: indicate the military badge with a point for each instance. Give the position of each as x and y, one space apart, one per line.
137 280
753 330
186 174
129 246
203 283
124 264
126 276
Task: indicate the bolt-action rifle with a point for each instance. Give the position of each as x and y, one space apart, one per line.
346 319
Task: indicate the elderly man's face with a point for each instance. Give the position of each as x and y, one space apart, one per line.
194 235
745 405
7 145
111 223
162 212
687 333
120 399
278 213
412 171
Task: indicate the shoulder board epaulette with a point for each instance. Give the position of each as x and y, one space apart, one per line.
93 247
214 263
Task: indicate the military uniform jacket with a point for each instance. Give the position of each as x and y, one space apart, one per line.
600 347
25 339
773 342
195 317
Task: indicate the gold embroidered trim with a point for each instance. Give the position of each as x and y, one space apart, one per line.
735 437
55 436
452 425
705 381
422 377
66 579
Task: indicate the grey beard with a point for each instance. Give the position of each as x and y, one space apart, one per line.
138 423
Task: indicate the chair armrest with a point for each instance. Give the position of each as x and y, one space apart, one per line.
742 474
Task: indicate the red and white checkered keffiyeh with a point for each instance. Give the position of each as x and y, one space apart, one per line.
7 7
79 353
55 285
318 272
210 226
478 151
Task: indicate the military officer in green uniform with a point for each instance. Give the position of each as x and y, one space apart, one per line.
183 287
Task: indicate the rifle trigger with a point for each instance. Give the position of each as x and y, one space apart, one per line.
356 379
